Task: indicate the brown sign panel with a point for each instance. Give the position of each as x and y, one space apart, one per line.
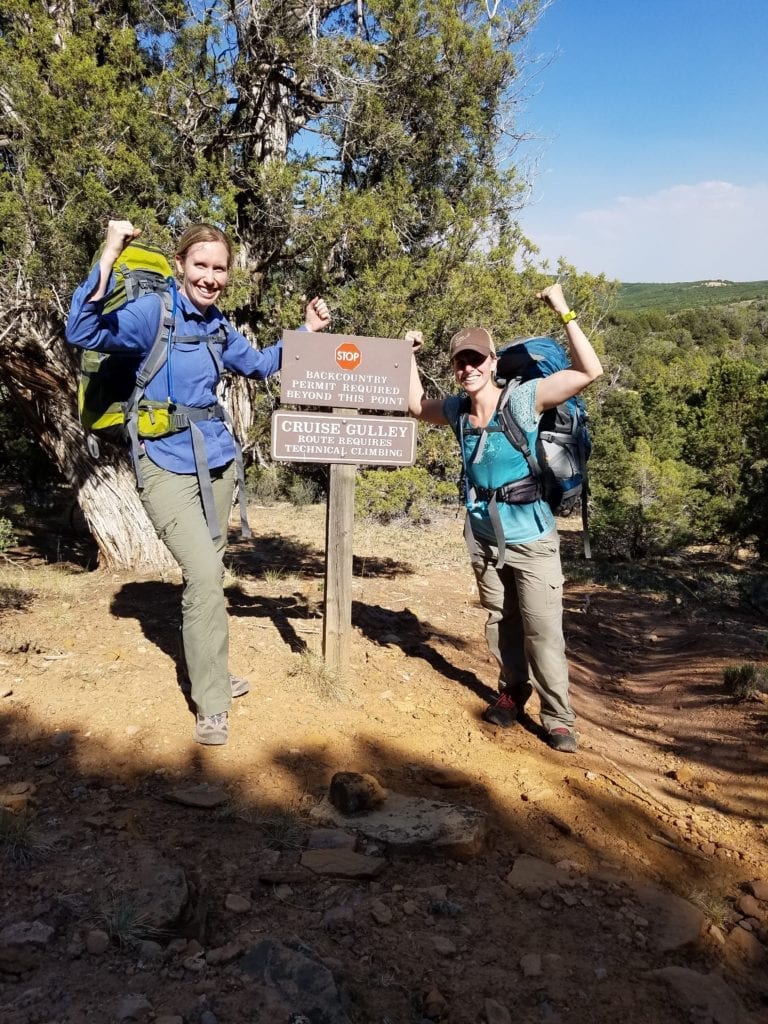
345 371
362 440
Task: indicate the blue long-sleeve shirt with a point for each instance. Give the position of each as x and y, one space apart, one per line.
192 372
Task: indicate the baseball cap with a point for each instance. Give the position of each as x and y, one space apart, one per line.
474 339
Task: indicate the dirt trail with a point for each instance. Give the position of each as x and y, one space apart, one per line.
668 789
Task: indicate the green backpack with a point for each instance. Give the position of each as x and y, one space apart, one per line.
111 387
108 379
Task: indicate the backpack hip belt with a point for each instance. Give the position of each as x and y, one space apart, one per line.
518 492
186 417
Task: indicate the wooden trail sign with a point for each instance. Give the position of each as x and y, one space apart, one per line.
347 373
362 440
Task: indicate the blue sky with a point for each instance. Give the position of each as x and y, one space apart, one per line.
652 148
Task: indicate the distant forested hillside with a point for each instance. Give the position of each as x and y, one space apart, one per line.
680 422
688 295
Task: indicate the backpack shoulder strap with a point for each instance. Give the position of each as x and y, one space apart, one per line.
156 359
513 432
158 353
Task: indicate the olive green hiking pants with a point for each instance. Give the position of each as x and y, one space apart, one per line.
174 506
524 630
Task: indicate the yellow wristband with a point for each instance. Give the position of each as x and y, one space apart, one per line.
567 317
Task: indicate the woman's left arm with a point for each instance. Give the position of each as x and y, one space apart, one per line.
585 364
244 358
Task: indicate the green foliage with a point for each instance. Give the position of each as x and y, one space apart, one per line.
275 482
8 537
651 509
754 474
302 491
680 423
264 484
24 466
87 88
408 494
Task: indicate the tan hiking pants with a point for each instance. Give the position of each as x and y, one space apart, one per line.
524 631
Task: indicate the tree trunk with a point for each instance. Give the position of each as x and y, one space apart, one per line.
116 518
38 369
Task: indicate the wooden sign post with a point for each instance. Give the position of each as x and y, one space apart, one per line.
339 534
348 374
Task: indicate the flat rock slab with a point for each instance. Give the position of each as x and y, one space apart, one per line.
531 873
330 839
674 921
202 796
290 985
16 795
408 823
21 945
702 994
342 863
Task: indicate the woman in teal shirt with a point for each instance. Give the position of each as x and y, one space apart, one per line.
523 591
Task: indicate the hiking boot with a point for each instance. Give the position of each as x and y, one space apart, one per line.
213 730
504 710
563 740
239 686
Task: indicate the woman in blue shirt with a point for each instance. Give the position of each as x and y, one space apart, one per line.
174 492
523 596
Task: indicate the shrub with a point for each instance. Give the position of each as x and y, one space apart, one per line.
745 682
643 505
302 491
7 536
386 494
264 483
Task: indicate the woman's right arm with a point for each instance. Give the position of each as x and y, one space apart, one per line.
429 409
120 233
585 363
130 329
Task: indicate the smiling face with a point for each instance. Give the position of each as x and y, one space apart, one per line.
473 369
204 271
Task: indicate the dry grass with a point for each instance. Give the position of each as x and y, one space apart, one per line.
122 920
439 543
20 842
19 585
715 908
281 827
747 681
310 669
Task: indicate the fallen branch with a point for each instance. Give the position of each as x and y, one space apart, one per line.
663 841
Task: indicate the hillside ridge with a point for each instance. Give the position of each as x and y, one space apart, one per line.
669 297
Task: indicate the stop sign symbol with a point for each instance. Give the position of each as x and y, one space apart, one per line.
348 356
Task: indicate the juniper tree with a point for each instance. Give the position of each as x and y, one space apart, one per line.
363 149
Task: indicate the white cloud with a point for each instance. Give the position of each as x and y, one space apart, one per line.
713 229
